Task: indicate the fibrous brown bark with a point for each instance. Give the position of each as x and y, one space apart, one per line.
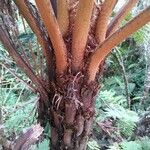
72 114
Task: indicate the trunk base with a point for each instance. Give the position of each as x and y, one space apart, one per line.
71 113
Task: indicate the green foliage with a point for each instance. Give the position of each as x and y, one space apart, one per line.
44 145
111 101
142 34
117 84
17 102
26 38
104 99
93 145
121 113
145 143
139 144
126 127
115 146
125 119
127 18
107 96
132 145
19 119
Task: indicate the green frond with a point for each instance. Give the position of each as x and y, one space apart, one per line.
132 145
115 146
93 145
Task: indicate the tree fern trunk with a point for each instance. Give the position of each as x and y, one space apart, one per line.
72 113
67 137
